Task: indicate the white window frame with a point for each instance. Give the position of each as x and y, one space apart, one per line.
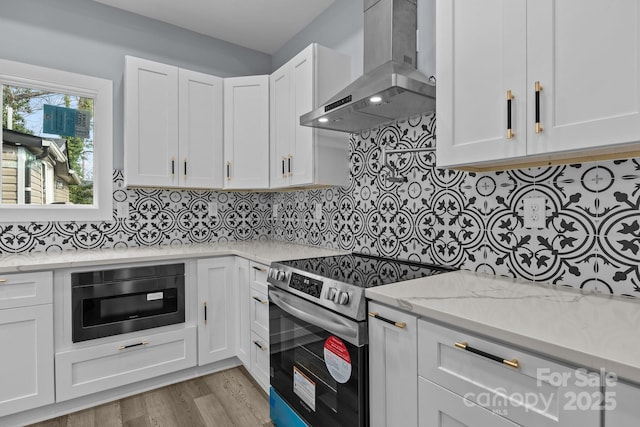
101 90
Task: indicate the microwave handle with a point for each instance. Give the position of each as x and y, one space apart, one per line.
313 316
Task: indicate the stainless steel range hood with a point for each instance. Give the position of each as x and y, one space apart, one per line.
391 88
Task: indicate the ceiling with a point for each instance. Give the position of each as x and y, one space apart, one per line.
263 25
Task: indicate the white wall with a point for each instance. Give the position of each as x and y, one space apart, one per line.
90 38
340 27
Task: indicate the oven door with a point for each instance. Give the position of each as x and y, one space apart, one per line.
318 361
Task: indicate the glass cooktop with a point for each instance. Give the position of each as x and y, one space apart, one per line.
364 271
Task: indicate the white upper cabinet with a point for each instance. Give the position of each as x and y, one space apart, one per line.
246 132
173 126
571 69
302 155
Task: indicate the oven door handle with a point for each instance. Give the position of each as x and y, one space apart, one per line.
319 317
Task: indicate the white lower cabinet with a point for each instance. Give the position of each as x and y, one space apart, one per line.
441 408
622 405
253 320
517 385
26 337
393 367
101 367
217 293
26 359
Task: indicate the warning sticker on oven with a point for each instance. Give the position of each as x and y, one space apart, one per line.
155 296
304 388
337 359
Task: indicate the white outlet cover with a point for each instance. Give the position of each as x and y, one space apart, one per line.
318 214
534 212
122 209
213 209
275 211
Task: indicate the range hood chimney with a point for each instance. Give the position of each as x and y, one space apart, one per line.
391 87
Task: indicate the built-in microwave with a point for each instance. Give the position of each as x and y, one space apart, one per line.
117 301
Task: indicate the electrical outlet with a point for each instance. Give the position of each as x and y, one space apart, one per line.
534 212
318 214
213 209
274 214
122 209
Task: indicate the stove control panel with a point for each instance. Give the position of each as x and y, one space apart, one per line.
337 296
307 285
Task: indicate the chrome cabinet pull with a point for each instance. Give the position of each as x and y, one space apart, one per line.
538 89
259 300
260 346
205 312
262 270
512 363
124 347
510 97
400 325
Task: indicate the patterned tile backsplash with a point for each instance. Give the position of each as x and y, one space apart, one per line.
470 220
475 220
156 217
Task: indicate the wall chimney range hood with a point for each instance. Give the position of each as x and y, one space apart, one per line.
390 88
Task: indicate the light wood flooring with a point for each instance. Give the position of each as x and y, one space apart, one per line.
227 398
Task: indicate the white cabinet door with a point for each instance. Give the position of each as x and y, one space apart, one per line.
481 55
302 154
217 309
246 132
281 125
243 320
151 123
586 56
441 408
200 146
26 359
621 405
393 367
260 360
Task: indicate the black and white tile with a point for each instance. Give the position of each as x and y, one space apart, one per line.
475 220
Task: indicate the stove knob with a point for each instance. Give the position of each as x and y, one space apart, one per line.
331 293
343 298
280 275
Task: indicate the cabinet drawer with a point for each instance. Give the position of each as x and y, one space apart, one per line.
260 360
259 274
101 367
259 311
24 289
441 408
537 392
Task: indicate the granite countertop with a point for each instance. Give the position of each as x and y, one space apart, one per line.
591 330
262 251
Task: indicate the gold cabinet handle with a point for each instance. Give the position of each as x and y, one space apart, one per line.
205 312
260 346
512 363
400 325
3 280
284 175
260 300
262 270
124 347
185 166
289 163
228 171
538 89
173 167
510 133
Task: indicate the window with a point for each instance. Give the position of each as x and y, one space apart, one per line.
56 145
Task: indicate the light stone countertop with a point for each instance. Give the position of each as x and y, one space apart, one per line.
585 329
262 251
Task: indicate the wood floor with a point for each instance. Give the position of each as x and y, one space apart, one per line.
227 398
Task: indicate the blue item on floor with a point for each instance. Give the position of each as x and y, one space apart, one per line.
281 414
